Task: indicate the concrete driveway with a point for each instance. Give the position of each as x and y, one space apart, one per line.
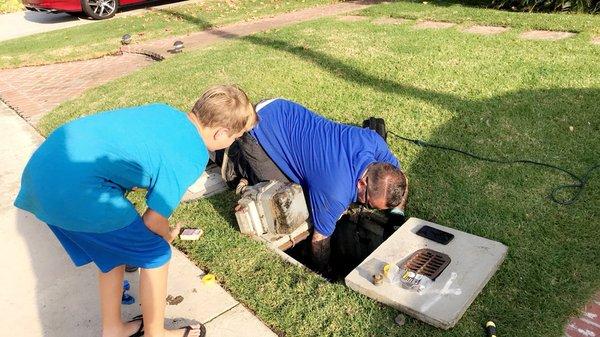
13 25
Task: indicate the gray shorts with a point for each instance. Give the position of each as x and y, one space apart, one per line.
247 159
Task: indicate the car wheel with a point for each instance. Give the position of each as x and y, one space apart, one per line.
100 9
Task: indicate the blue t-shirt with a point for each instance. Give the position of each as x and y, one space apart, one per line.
326 158
77 178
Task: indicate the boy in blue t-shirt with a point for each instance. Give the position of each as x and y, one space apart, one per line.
76 182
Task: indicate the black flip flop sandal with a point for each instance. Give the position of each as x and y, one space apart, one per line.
188 329
140 331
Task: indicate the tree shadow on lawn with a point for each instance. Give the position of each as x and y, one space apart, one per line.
509 204
196 20
506 203
551 268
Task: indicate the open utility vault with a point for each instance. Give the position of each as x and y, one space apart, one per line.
458 269
473 261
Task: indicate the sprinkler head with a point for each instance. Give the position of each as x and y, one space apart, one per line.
378 279
177 46
126 39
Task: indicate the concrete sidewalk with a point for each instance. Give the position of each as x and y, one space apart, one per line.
43 294
18 24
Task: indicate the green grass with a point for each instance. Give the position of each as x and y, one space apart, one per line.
9 6
496 95
453 12
104 37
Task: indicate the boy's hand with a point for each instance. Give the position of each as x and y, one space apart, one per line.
160 225
174 232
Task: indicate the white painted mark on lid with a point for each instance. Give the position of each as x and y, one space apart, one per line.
442 292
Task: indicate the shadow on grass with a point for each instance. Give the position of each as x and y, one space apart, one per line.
196 20
525 111
500 202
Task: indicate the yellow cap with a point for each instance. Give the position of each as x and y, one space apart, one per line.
489 324
208 279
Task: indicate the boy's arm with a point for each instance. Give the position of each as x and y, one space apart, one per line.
160 225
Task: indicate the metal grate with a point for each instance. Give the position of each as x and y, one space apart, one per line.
427 262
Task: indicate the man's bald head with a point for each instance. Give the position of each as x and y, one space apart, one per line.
385 182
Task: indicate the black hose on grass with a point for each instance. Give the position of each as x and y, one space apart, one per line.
579 185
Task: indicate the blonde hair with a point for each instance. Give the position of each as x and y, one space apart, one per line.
225 106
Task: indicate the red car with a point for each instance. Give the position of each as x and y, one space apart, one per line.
96 9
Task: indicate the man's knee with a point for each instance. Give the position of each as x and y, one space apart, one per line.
253 163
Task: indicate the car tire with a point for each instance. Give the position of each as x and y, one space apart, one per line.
100 9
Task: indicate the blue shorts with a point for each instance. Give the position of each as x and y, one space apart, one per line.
134 245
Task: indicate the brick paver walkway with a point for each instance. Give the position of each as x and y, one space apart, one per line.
588 325
35 91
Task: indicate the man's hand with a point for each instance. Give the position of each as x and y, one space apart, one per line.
321 249
160 225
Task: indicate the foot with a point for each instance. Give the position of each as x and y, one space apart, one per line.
241 187
125 330
132 327
195 330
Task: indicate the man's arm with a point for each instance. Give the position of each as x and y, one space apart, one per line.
160 225
326 210
321 249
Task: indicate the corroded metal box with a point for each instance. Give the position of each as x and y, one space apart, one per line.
270 208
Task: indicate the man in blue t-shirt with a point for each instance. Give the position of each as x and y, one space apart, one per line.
335 164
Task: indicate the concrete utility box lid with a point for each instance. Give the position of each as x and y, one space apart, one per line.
442 304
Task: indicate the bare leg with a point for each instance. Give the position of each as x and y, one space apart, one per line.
153 293
111 290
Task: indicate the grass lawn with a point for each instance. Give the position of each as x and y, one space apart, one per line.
104 37
496 95
453 12
9 6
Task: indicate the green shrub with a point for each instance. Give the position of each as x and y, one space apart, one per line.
589 6
586 6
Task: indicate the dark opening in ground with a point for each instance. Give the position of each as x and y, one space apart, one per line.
358 233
